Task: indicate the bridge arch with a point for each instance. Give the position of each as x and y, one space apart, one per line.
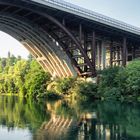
48 46
68 40
44 48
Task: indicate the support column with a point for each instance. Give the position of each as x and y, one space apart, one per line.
133 52
85 49
103 55
93 53
119 55
124 52
100 55
111 54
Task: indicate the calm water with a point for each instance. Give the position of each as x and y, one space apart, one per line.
22 119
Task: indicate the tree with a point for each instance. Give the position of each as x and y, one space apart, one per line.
36 79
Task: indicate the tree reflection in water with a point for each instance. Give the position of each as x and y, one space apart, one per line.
65 120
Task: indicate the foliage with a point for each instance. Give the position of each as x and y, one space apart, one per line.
108 76
133 78
109 86
74 88
121 83
22 77
49 95
85 90
37 84
64 85
26 78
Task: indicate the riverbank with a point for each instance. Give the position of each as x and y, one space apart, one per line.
25 78
114 83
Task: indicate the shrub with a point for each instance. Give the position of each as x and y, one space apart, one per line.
113 83
112 93
108 76
133 78
86 90
121 83
36 80
64 85
49 95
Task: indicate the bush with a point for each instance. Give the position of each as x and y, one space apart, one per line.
86 90
49 95
121 83
62 86
108 85
112 93
36 80
113 83
133 78
108 76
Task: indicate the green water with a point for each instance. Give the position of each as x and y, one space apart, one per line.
22 119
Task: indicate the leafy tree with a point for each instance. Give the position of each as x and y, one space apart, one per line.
36 80
20 70
133 78
64 85
19 76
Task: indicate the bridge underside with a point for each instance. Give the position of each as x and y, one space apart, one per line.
40 44
66 45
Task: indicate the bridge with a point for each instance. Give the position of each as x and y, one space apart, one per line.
68 40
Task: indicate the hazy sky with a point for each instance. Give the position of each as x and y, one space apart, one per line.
124 10
8 43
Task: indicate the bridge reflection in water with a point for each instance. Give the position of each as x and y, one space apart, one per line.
64 120
86 126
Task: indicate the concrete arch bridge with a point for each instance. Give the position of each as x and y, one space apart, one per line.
68 40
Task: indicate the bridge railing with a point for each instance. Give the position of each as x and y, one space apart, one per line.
77 10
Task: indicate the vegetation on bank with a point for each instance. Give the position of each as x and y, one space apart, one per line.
121 83
26 78
22 77
116 83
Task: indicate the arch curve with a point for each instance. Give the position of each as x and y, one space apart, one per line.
44 48
51 41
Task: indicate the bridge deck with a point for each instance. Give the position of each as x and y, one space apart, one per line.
88 14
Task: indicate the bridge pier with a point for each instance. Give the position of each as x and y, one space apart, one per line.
93 53
99 50
111 53
124 53
133 52
103 55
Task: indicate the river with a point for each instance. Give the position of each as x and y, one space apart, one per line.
24 119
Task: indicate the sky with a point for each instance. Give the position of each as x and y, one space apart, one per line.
9 44
124 10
